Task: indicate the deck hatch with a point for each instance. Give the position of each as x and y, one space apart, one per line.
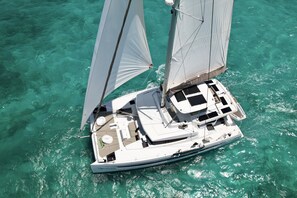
223 100
197 100
191 90
226 110
180 96
214 87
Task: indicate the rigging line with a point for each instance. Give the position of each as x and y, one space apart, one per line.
189 15
177 27
81 137
179 38
114 54
183 57
228 32
198 27
197 31
80 134
221 34
202 9
223 39
171 121
211 32
146 79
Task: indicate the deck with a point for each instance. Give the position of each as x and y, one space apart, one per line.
113 123
105 129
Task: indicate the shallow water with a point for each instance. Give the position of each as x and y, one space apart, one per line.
45 53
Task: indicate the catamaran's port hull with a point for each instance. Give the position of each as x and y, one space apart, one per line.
116 167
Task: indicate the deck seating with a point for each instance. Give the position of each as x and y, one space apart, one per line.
133 134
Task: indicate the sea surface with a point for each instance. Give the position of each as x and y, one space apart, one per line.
45 54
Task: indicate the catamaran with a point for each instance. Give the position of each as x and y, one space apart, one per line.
191 112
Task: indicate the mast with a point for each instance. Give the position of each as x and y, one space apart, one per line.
192 59
210 41
169 50
115 51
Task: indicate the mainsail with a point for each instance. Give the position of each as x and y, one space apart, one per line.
200 37
121 51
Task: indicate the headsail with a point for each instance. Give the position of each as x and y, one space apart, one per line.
200 40
121 51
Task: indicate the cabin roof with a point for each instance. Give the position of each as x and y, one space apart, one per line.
192 99
154 120
208 101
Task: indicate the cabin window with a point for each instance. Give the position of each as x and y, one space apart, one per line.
208 82
207 116
202 118
172 112
212 114
168 99
196 113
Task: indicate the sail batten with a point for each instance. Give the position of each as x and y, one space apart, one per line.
200 42
121 51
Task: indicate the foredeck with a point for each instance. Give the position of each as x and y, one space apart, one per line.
115 126
105 129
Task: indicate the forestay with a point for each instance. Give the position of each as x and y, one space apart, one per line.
121 51
200 40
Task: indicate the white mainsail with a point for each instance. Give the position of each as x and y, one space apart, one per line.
200 38
121 51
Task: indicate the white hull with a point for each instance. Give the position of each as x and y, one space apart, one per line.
115 167
145 136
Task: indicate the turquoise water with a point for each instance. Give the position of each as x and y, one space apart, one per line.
45 53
